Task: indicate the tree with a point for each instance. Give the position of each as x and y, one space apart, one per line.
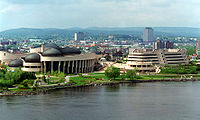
25 83
44 79
131 74
112 72
61 77
6 83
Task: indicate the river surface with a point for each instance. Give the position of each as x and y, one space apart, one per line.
141 101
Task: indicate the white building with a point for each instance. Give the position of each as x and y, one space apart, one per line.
150 59
50 57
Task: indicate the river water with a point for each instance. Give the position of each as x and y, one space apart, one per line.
141 101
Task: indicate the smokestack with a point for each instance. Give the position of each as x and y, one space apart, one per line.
42 47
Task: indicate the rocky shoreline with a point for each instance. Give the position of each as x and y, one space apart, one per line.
46 89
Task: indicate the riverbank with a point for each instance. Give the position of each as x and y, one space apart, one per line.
168 80
47 89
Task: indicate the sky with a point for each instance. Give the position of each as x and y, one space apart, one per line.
98 13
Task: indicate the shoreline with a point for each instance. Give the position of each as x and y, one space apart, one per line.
47 89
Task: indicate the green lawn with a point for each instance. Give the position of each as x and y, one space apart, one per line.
81 80
100 77
20 90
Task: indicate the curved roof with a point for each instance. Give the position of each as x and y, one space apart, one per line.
95 51
48 45
16 63
51 45
68 51
34 57
57 51
52 52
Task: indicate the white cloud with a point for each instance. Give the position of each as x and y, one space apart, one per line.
86 13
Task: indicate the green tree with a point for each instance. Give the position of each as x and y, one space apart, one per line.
44 79
25 83
6 83
112 72
61 77
131 74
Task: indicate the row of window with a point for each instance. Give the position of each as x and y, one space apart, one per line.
176 60
145 60
175 57
145 54
174 54
177 63
141 65
145 57
32 66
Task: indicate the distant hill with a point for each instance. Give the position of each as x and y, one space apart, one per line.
48 32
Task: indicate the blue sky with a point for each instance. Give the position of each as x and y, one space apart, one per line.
98 13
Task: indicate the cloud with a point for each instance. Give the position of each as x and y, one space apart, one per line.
87 13
6 9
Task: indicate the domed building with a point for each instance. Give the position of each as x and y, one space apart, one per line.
52 52
16 63
50 58
33 57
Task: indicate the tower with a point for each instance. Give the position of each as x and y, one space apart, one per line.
79 36
76 36
148 35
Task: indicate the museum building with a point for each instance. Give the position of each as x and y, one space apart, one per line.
50 57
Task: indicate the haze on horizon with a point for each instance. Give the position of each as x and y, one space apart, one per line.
98 13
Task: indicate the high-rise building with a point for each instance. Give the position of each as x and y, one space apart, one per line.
79 36
159 45
76 36
162 45
148 35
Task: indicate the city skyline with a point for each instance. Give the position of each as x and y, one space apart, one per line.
98 13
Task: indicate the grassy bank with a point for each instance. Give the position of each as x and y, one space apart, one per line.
100 78
95 78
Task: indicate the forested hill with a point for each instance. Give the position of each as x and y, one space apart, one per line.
138 31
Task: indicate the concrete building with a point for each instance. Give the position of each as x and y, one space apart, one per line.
163 45
169 45
6 56
50 58
148 35
78 36
150 59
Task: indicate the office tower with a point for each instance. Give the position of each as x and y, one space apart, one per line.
76 36
79 36
148 35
